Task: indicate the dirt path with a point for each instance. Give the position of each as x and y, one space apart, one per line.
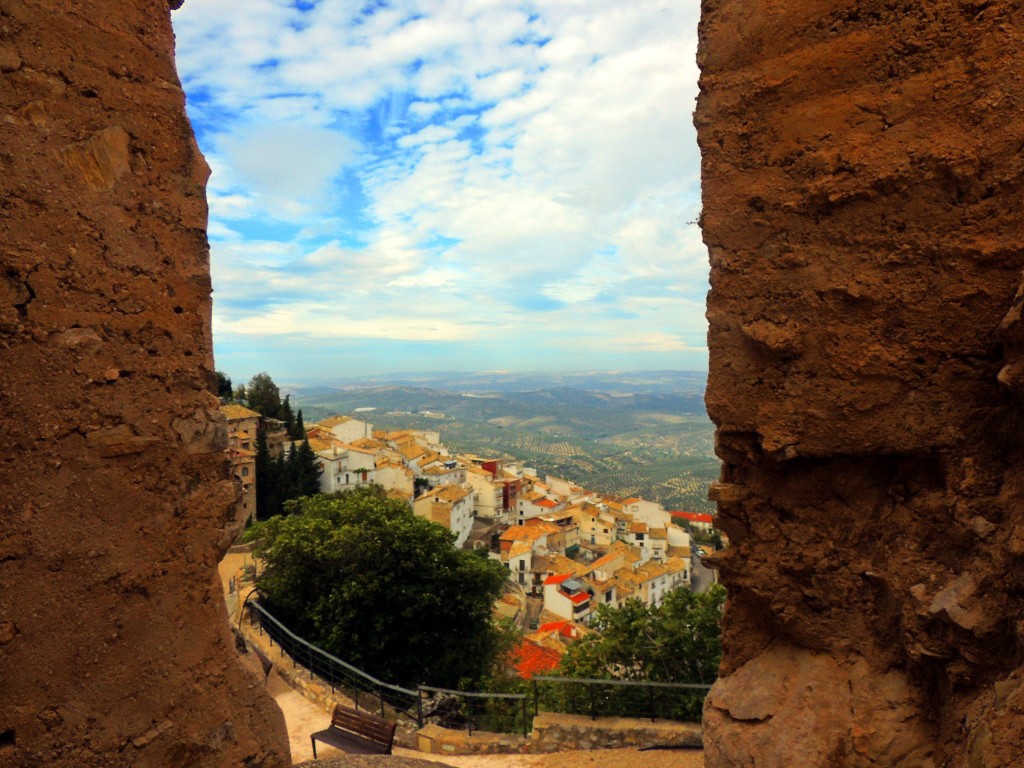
594 758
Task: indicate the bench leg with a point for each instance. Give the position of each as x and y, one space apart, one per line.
314 747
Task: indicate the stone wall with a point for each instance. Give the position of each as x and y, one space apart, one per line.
116 496
862 172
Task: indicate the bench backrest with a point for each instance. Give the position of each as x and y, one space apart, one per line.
364 723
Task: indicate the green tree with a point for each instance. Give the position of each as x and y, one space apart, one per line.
288 417
306 472
284 488
299 432
267 503
240 393
264 396
676 642
224 391
362 577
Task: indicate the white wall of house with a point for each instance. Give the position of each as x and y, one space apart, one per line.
352 430
559 603
519 567
650 512
678 537
488 495
462 519
394 478
455 515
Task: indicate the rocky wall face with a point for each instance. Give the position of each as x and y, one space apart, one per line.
863 169
114 649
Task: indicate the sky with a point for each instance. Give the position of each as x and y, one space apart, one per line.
428 185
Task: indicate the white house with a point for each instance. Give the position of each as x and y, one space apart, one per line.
347 429
568 597
650 512
446 472
344 468
395 477
536 503
489 492
450 506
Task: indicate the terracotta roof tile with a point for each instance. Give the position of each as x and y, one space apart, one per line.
233 412
531 658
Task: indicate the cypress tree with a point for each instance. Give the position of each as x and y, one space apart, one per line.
288 417
307 471
283 483
300 428
266 482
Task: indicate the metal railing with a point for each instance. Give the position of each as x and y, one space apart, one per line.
619 698
495 712
360 686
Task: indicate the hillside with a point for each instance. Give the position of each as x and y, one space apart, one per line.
626 434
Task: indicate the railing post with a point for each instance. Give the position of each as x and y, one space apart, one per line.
536 698
650 699
593 715
469 708
419 707
380 695
526 731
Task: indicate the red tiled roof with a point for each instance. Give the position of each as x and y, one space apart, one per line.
694 517
557 578
578 598
546 503
564 628
554 626
530 659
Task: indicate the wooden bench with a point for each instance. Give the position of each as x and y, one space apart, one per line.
358 733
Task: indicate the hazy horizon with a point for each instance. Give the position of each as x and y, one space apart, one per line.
462 377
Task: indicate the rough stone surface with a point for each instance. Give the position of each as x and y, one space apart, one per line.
862 193
114 650
370 761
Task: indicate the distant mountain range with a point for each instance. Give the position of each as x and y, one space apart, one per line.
635 382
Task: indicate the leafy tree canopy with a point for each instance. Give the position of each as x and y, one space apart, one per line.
362 577
676 642
263 396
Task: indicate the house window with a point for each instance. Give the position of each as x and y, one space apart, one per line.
608 597
522 565
245 471
639 537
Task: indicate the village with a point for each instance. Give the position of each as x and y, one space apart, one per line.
567 549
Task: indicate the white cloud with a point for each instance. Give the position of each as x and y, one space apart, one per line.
497 178
655 341
287 165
